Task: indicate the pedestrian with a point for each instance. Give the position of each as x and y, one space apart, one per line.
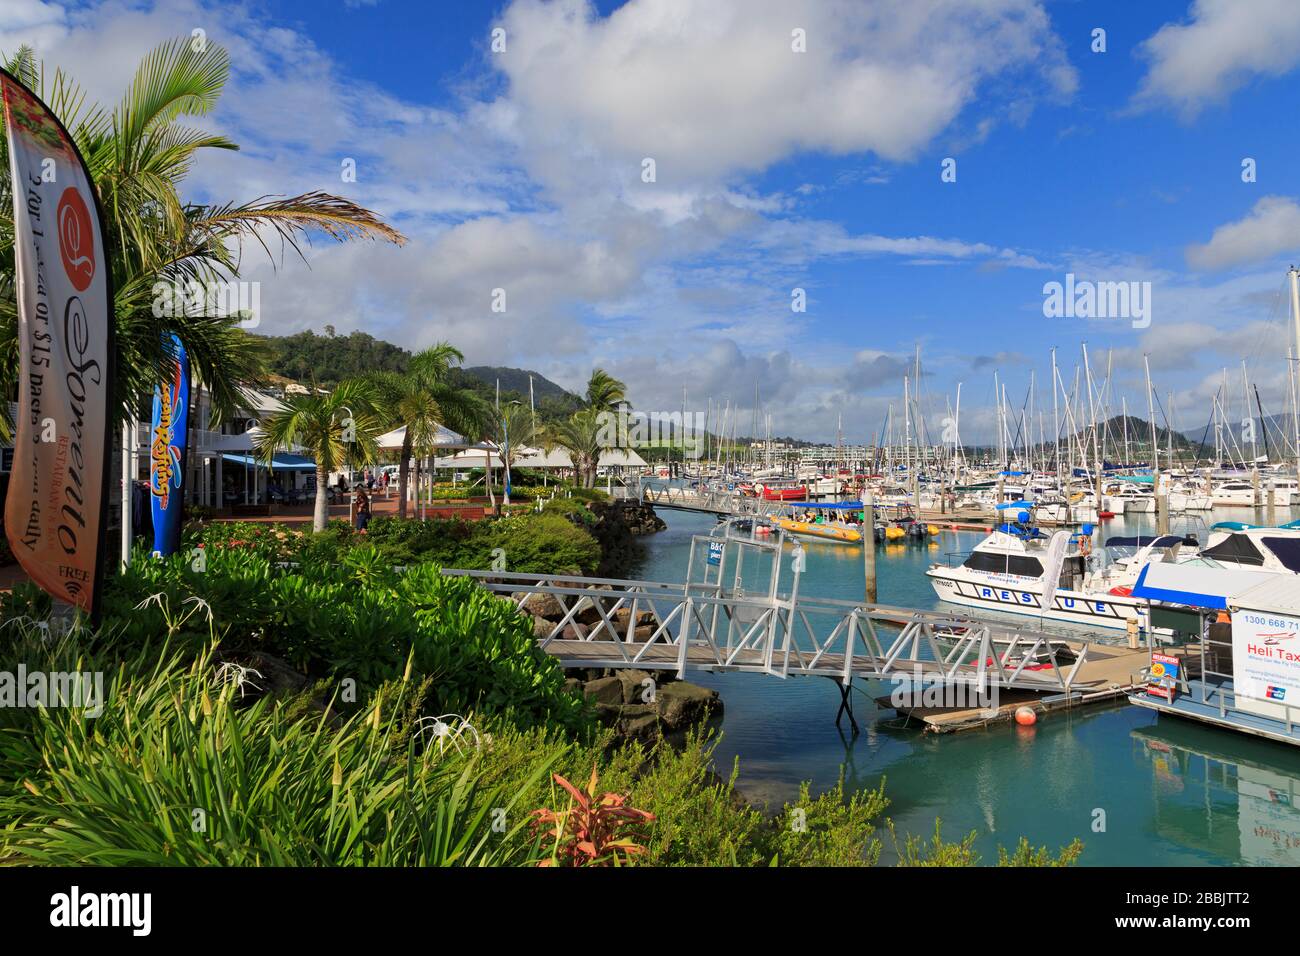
362 502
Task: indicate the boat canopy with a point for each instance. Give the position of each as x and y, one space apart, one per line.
1162 541
1140 479
1232 526
1196 585
1014 504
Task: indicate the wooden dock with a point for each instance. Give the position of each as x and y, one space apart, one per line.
1110 674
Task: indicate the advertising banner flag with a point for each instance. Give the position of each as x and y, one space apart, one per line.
56 507
170 432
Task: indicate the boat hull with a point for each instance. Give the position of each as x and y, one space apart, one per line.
1025 596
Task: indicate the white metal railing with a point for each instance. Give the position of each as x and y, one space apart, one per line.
710 622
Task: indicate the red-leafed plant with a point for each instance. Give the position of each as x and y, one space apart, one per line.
591 831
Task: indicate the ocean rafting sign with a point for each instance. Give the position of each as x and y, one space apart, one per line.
54 509
1266 656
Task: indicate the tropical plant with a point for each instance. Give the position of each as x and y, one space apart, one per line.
591 830
164 249
333 427
182 770
584 435
421 399
590 431
604 392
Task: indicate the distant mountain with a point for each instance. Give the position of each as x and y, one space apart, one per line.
1139 435
515 380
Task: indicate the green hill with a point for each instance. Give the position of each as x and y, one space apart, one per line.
328 359
515 380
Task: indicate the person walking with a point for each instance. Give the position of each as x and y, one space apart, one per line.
362 502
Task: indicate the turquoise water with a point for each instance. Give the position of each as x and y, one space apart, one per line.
1166 791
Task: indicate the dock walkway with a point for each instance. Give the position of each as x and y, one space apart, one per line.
711 622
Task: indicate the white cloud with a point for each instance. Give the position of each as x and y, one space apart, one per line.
712 89
1224 45
1271 228
536 189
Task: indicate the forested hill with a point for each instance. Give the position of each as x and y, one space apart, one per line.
328 359
515 380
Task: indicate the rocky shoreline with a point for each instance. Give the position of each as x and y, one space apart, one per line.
641 705
619 523
637 704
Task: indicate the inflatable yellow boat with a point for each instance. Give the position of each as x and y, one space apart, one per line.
819 532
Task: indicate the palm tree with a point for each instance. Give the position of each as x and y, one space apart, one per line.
514 427
138 155
604 392
584 436
422 398
333 427
586 433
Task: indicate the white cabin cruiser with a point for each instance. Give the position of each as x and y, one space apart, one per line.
1242 491
1011 571
1128 500
1233 544
1189 496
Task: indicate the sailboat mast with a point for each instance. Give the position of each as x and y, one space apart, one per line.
1294 275
1151 415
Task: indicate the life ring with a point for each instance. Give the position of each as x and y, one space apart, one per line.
1085 544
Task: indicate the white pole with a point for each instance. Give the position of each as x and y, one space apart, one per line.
1295 315
127 444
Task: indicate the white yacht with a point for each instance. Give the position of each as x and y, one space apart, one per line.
1010 571
1127 499
1189 496
1233 544
1242 491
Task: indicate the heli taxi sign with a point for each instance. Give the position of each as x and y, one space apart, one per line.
1266 661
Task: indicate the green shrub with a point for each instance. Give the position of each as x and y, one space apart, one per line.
352 618
178 772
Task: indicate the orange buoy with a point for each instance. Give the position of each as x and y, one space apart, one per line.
1026 717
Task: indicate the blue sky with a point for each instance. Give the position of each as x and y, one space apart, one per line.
775 170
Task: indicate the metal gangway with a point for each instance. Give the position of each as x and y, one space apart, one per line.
710 501
712 622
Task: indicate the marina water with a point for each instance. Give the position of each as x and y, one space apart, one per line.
1138 788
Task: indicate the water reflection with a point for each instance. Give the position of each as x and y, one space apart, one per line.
1230 796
